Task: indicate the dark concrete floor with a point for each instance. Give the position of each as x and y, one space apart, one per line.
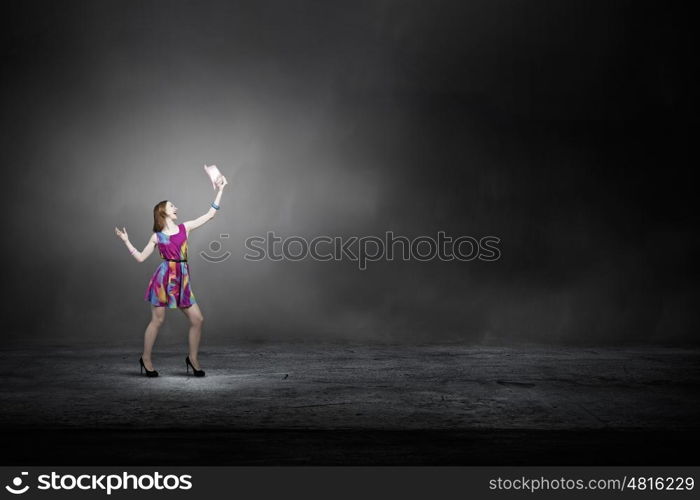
352 404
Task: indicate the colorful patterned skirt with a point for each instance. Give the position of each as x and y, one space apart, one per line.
170 286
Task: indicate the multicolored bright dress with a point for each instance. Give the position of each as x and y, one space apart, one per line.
170 284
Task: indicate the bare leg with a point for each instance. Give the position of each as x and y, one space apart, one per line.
149 338
194 314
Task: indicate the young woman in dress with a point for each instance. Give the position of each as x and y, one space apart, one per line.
170 285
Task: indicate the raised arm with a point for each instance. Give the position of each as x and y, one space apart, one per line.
199 221
147 250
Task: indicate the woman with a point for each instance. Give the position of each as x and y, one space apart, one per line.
169 286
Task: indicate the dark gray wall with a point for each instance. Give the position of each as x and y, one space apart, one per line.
560 127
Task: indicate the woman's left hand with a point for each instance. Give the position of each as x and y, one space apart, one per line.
221 182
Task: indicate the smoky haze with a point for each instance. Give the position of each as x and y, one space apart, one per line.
559 127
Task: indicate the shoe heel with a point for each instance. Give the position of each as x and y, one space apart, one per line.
149 373
195 372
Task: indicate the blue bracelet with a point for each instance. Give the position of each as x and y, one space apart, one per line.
214 205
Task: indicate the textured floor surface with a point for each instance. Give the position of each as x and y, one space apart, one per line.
302 403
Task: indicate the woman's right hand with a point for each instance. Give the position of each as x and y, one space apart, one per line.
221 182
122 234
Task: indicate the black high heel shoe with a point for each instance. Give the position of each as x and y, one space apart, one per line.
149 373
188 363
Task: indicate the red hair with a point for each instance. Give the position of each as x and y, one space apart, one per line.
159 216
